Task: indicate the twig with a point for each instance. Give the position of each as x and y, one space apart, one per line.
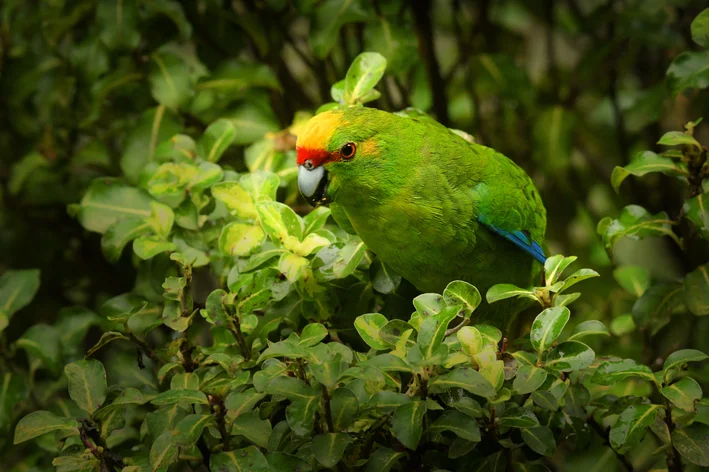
235 329
457 328
328 413
674 460
218 408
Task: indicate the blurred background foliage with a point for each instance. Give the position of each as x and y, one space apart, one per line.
567 89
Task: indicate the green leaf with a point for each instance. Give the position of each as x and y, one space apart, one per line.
688 70
678 138
164 451
282 462
654 308
368 327
612 372
462 425
87 384
693 443
502 291
471 341
147 247
185 381
189 429
121 233
118 24
700 28
42 343
428 304
547 327
634 279
466 378
329 372
383 460
216 139
280 222
139 147
569 356
462 293
696 209
17 289
394 41
330 16
555 266
350 257
170 80
528 379
407 424
623 324
344 406
253 428
107 337
312 334
645 163
677 358
251 123
545 400
107 201
589 328
630 427
696 290
363 75
684 393
515 417
42 422
300 415
171 397
387 363
241 239
433 330
240 402
540 439
241 460
635 222
384 281
329 448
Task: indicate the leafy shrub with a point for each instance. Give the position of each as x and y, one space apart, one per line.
250 333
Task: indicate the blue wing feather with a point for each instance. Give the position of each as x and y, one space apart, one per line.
520 239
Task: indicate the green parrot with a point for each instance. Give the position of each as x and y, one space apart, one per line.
431 205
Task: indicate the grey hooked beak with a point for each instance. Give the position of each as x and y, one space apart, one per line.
312 183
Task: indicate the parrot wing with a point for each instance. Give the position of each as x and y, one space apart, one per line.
520 238
509 205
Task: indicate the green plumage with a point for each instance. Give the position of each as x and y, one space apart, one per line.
415 192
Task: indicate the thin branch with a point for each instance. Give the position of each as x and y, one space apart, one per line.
328 412
457 328
674 460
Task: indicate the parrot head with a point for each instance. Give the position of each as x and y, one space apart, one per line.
339 151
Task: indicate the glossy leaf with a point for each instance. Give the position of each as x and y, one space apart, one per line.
329 448
547 327
631 425
42 422
645 163
87 384
693 443
696 290
528 379
570 356
462 293
688 70
540 439
407 424
683 393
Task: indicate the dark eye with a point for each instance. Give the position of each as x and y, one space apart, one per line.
348 151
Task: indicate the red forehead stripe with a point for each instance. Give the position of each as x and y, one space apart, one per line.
316 156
